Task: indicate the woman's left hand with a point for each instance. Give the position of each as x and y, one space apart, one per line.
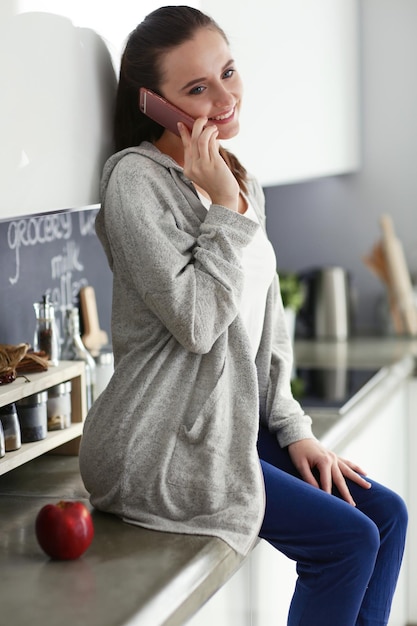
309 454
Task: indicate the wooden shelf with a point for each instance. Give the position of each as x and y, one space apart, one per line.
63 441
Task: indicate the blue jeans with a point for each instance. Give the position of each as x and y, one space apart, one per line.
348 558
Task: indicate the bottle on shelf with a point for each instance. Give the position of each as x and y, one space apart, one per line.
59 406
73 349
11 427
46 337
32 415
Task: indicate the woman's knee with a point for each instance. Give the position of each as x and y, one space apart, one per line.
393 528
361 541
399 510
387 509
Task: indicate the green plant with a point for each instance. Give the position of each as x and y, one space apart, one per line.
292 291
297 388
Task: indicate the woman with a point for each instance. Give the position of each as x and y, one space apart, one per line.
197 431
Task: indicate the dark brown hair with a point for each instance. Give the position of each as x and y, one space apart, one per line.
161 30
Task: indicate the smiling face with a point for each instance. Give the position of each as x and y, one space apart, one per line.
199 77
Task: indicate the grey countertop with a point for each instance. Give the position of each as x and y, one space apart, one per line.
132 576
128 575
358 351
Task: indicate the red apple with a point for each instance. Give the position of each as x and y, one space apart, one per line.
64 530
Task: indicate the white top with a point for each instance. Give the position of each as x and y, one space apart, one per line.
259 266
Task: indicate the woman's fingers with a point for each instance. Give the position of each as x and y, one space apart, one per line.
204 165
354 473
322 468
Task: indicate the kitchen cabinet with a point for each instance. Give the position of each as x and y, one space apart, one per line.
56 134
65 440
232 603
259 594
274 578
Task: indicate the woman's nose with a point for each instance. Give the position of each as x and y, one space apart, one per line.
223 97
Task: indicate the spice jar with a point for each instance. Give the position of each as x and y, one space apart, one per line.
11 427
46 337
32 415
59 406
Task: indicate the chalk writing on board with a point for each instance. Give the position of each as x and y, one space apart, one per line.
86 222
65 276
35 231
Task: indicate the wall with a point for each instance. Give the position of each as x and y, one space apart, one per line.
55 114
336 220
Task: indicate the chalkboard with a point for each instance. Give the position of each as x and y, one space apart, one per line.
55 254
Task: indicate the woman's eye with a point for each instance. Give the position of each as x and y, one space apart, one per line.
229 73
197 90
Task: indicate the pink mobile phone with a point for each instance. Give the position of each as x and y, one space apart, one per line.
162 111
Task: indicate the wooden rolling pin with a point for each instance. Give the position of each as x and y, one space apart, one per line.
377 263
399 276
93 338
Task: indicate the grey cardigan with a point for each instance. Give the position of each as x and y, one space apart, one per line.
171 443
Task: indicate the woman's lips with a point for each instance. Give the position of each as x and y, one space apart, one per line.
223 118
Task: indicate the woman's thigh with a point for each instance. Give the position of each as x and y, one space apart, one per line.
309 525
293 505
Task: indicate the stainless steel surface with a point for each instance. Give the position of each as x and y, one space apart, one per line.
332 304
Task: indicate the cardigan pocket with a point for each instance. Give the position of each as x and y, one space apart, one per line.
200 459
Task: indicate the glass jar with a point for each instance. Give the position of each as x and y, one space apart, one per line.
73 349
46 337
32 415
11 427
59 406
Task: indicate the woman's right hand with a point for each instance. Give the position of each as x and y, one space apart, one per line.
204 165
309 454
